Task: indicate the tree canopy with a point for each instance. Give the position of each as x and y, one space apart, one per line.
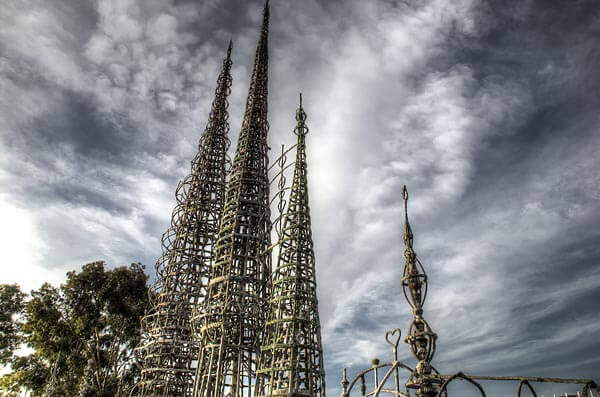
82 334
11 306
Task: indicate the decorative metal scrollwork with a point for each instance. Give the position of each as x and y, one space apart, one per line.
526 383
460 375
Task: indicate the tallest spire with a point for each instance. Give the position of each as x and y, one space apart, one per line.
233 313
266 13
256 104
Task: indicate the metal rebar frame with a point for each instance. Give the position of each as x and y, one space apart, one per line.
424 379
170 349
291 361
233 313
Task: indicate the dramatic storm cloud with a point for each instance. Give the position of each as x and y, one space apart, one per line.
486 110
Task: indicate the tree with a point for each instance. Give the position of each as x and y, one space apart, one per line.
83 334
11 307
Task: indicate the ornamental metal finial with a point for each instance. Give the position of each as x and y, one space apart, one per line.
420 338
301 130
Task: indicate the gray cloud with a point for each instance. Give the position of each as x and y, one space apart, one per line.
486 110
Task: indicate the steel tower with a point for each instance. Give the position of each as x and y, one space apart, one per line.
291 362
233 313
170 348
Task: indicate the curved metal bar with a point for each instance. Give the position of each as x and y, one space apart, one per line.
525 382
426 283
385 378
461 376
439 375
531 379
274 163
276 197
281 171
397 364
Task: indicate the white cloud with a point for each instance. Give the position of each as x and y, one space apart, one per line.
23 249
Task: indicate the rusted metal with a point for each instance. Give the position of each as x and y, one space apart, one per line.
424 379
170 348
233 314
291 361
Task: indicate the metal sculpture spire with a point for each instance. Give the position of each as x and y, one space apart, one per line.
291 362
233 314
424 379
420 338
170 348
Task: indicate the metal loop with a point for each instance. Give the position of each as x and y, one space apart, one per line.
525 382
461 376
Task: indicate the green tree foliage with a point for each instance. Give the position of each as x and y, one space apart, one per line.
82 334
11 307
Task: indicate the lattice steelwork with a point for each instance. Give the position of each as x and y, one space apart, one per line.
424 379
234 310
170 348
291 362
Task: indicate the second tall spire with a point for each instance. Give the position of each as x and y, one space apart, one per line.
233 312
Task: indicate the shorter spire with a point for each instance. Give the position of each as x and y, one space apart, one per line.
291 361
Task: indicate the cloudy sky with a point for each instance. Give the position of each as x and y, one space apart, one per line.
486 110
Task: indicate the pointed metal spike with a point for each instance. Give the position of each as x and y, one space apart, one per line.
408 236
266 12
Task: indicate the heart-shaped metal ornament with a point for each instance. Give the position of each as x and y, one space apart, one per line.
394 342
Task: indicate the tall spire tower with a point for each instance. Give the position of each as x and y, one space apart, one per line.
170 348
233 314
291 362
